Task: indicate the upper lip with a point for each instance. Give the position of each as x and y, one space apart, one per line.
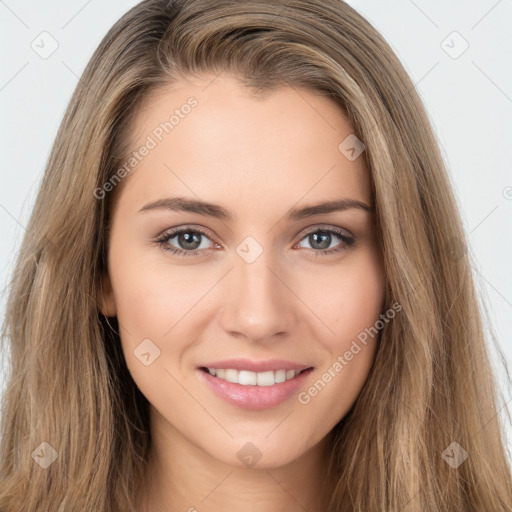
256 366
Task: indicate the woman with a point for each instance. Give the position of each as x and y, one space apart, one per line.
176 346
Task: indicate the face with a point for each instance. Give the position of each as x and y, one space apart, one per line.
258 287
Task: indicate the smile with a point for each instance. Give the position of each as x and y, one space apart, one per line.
251 390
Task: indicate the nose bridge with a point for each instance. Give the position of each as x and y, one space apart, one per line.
258 304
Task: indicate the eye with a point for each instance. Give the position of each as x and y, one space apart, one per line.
320 240
192 241
188 238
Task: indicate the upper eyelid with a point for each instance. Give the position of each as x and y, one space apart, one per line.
326 227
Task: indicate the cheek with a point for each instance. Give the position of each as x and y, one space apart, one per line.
348 298
146 303
351 300
141 306
149 309
356 304
155 301
150 296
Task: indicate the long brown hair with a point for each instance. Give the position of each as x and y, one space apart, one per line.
431 395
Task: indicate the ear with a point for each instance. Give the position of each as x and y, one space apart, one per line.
106 297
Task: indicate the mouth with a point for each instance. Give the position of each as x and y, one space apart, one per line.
249 378
254 391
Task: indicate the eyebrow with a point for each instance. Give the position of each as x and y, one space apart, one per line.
219 212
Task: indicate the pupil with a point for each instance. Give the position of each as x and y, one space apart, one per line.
327 237
185 239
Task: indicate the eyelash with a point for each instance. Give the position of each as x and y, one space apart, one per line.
163 240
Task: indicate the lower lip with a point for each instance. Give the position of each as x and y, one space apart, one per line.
255 398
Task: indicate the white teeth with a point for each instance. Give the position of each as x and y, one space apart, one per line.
281 376
266 379
231 376
247 378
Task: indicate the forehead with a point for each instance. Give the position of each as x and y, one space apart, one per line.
210 138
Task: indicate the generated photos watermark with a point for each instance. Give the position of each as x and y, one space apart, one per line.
343 360
151 142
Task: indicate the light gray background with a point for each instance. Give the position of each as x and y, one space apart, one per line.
468 97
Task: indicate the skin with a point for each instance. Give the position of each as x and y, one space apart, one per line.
258 159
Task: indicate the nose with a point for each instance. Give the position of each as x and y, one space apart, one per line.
258 304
